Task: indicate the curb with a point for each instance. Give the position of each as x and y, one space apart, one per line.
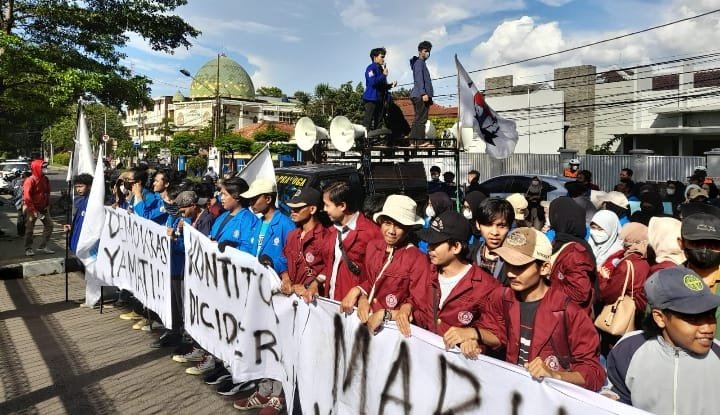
39 267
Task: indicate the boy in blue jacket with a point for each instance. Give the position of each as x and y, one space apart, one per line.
376 89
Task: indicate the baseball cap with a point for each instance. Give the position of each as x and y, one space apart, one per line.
304 197
519 203
700 226
448 225
693 191
679 289
186 198
523 246
260 186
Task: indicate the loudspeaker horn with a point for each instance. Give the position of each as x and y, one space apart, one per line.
307 133
343 133
430 132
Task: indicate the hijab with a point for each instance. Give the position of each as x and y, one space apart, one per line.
440 202
663 234
635 238
567 218
610 223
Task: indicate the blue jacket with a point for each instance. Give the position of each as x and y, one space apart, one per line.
77 222
177 247
421 78
375 83
274 240
149 207
238 230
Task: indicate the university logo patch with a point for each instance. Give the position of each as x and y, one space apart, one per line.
236 234
552 362
309 257
517 239
391 300
276 241
692 282
465 317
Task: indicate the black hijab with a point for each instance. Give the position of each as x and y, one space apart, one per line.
440 202
567 218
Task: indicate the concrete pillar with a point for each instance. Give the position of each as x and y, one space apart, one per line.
566 154
712 162
640 164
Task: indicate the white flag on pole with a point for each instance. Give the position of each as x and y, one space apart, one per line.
94 215
260 165
499 134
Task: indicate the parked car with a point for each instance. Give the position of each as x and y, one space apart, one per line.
502 186
8 171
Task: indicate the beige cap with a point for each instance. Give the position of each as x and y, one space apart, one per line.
523 246
260 186
694 191
519 203
617 199
597 197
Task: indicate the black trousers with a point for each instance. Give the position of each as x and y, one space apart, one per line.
373 118
176 294
417 131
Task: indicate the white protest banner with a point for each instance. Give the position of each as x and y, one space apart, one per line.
229 310
341 368
134 254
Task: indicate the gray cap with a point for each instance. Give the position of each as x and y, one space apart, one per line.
186 198
680 289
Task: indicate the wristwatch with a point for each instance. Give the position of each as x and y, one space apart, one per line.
387 316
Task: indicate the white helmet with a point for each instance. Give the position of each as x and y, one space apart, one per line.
574 161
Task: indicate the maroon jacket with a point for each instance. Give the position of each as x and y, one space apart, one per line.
573 272
355 244
662 265
610 288
305 258
403 281
573 342
466 306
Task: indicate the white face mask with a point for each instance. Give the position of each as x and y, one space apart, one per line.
123 190
467 213
670 192
599 236
430 212
45 171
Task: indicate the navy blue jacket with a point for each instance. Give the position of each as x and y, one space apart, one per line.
375 83
421 78
77 222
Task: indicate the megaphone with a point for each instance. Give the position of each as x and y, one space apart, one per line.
430 132
307 133
343 133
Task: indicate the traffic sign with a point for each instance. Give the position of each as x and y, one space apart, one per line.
105 138
136 143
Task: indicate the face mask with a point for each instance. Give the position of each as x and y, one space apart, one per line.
670 192
123 190
434 178
171 209
535 184
44 171
430 212
703 257
467 213
599 236
573 168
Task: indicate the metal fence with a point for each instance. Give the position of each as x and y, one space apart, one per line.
605 169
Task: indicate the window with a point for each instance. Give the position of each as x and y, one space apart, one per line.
287 117
268 113
705 79
665 82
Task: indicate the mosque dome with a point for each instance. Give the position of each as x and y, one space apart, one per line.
178 97
234 80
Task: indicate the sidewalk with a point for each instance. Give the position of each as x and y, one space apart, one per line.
57 358
13 262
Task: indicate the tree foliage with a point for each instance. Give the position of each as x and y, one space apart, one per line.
328 102
190 142
53 52
269 91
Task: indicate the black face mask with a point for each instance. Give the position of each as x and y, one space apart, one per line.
703 258
171 209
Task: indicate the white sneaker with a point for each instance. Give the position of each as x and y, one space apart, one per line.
206 365
140 324
195 355
29 252
46 250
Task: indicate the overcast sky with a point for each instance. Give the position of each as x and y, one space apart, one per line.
296 44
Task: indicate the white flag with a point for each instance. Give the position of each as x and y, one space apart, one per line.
499 134
260 165
89 238
81 160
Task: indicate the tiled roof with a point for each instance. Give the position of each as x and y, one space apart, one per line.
249 130
406 106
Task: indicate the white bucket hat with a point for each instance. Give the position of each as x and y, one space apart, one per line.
401 209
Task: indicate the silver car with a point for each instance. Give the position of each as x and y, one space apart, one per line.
507 184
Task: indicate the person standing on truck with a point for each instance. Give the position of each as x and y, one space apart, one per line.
376 90
421 94
346 241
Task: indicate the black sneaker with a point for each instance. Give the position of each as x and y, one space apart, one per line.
182 348
228 388
216 375
168 339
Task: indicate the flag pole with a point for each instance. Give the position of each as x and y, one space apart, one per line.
457 142
68 209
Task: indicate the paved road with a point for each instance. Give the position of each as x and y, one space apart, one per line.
57 358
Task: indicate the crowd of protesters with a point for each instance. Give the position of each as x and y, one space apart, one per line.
519 278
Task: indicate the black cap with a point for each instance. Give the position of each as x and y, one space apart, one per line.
679 289
304 197
700 226
687 209
448 225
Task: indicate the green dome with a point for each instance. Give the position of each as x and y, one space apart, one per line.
178 97
234 80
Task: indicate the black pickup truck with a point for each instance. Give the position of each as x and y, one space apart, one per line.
408 178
